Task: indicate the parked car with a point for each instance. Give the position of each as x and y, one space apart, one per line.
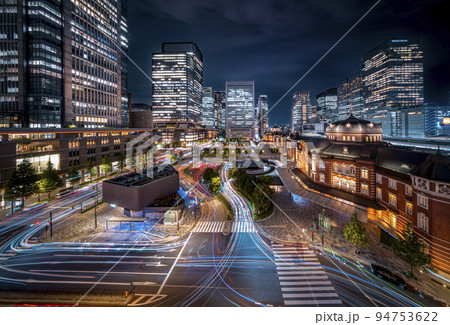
387 275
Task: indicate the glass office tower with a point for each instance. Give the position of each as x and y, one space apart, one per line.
240 112
209 112
392 78
177 74
301 110
350 96
221 100
60 63
327 105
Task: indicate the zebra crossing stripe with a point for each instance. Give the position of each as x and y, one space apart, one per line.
297 277
298 272
311 295
300 289
305 283
312 302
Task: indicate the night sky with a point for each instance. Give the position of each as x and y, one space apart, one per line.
274 42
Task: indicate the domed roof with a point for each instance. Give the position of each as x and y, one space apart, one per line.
354 125
436 166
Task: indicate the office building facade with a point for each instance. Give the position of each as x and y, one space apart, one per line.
350 96
327 105
301 110
240 109
209 111
220 99
437 120
61 63
392 78
177 89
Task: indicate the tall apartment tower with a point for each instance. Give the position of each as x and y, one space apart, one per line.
61 63
240 111
301 110
177 89
350 96
392 79
263 115
327 105
220 99
209 115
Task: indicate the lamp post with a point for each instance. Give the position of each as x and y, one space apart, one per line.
95 209
51 224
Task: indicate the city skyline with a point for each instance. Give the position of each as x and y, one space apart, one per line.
270 52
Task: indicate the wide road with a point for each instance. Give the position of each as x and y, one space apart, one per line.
212 266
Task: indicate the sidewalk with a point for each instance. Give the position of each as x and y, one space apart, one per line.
79 227
279 227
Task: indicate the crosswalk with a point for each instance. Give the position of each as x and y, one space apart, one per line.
302 279
210 226
220 226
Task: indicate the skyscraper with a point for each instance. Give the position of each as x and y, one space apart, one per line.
263 115
220 99
301 110
327 105
240 111
392 78
209 112
350 96
61 63
124 43
177 89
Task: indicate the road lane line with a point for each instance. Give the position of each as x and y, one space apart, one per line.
173 266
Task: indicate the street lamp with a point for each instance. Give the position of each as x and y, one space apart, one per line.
51 224
96 203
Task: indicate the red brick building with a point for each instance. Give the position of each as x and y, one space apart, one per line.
390 186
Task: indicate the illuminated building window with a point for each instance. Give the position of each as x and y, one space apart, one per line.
422 221
379 193
409 208
408 190
392 220
422 201
392 184
365 189
393 200
364 173
322 177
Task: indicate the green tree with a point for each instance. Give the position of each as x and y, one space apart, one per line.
106 164
121 161
355 232
90 169
22 183
215 185
411 249
208 174
73 176
50 179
